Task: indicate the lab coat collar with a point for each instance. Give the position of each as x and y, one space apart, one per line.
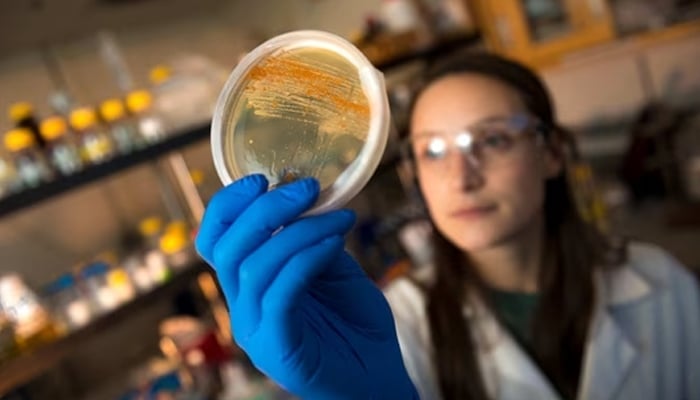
609 355
621 285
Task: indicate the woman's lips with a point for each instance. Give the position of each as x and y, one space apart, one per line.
474 212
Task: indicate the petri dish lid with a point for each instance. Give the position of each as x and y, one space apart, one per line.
305 103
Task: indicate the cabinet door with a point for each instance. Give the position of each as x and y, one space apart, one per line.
540 31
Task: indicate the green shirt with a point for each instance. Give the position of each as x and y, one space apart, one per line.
516 310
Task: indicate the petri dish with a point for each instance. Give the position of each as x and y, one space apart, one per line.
303 104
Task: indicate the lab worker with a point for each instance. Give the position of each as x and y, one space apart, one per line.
523 299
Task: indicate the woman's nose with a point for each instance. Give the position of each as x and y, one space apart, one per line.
464 172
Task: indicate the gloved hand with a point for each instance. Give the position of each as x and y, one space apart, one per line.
301 307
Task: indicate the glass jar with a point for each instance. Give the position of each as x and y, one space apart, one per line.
29 162
102 296
33 324
139 103
62 151
123 131
94 143
70 308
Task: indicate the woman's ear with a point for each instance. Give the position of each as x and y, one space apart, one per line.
553 157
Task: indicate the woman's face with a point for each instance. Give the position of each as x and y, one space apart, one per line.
482 198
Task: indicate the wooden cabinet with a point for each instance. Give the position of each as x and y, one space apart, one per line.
539 32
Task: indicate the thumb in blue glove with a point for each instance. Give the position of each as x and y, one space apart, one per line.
301 307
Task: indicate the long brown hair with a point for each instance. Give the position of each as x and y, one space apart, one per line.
572 251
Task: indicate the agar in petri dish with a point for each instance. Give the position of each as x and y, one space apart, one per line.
301 113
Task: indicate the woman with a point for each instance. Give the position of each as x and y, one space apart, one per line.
526 302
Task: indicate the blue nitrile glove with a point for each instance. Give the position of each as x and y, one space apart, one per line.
301 308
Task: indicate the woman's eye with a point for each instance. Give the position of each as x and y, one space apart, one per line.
435 149
496 141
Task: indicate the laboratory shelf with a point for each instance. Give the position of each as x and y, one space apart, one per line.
25 367
93 173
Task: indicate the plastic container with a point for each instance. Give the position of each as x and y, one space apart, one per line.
305 103
30 163
70 308
94 143
61 149
102 296
150 126
122 129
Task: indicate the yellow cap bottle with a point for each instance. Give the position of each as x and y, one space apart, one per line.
150 226
19 139
173 242
138 101
160 74
20 110
53 128
177 226
83 118
112 110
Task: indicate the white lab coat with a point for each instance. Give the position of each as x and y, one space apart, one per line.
644 341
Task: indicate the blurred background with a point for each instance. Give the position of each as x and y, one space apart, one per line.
105 166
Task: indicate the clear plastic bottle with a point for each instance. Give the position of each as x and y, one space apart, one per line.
153 257
70 308
30 163
94 143
118 279
138 272
62 151
123 131
102 296
9 180
33 324
175 245
139 103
